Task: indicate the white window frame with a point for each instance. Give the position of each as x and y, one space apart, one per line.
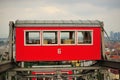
50 31
91 37
67 31
58 37
25 37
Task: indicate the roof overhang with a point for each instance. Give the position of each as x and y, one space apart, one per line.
60 23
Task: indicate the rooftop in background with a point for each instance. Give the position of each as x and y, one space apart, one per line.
94 23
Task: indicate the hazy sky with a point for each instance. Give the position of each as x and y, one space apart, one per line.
107 11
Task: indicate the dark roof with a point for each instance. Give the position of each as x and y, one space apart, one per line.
43 23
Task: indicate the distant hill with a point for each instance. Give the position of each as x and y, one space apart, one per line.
3 39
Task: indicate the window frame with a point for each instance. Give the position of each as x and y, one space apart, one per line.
68 31
50 31
25 44
58 37
85 43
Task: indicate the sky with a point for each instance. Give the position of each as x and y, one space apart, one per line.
107 11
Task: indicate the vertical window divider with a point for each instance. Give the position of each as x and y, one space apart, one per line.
76 39
92 36
41 37
58 38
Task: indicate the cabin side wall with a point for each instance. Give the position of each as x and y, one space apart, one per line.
50 52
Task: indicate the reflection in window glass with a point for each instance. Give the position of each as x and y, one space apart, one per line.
32 37
84 37
50 37
67 37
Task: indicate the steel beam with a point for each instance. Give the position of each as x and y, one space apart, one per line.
56 69
110 64
11 33
35 76
103 56
4 66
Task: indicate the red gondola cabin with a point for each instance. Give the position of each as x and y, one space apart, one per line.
57 40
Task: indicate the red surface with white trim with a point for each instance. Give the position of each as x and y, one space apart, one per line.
51 73
50 52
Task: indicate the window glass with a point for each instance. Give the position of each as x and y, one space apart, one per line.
32 37
50 37
67 37
84 37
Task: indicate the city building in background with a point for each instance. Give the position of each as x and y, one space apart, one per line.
115 36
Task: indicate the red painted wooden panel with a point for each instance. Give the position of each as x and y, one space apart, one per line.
50 53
